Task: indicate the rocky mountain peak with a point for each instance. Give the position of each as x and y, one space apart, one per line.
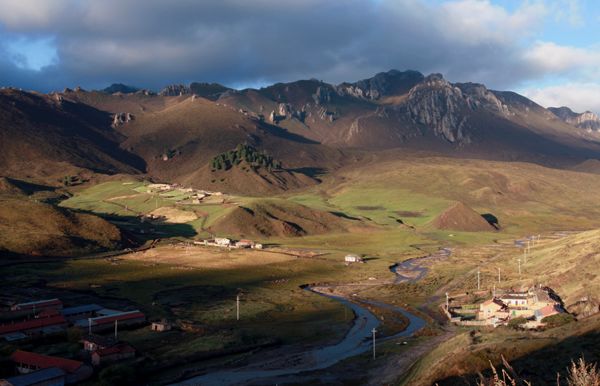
175 90
586 120
384 84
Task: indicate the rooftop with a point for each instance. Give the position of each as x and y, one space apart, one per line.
36 377
31 324
45 361
81 309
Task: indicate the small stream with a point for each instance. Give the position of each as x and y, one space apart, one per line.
411 270
356 341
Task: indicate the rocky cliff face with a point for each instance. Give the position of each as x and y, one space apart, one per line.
383 84
175 90
587 120
437 104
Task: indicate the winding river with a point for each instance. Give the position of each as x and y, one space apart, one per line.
356 341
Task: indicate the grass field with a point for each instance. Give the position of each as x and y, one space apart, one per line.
387 210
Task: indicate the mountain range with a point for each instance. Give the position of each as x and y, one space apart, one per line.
309 126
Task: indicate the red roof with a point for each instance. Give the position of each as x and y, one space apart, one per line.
548 310
112 318
31 324
120 348
44 361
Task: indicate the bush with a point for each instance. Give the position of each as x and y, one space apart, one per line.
517 322
583 374
558 320
244 153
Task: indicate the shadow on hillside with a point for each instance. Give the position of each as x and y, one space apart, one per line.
283 133
492 220
344 215
539 367
312 172
137 232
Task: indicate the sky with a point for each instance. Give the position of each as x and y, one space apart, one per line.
548 50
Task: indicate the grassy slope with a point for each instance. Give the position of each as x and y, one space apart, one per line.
34 228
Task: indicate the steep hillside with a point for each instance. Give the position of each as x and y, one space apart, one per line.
460 217
48 137
409 110
28 227
179 141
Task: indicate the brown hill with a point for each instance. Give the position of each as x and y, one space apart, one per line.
45 137
277 218
408 110
29 227
460 217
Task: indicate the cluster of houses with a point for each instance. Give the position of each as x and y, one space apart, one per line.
34 319
532 304
196 196
223 242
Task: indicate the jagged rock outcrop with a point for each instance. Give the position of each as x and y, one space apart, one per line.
586 120
393 82
175 90
479 97
441 106
322 95
122 118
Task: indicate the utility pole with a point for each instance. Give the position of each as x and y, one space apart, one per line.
478 280
373 331
498 275
237 304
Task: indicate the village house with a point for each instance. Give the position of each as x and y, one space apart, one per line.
222 242
38 326
533 303
97 342
492 309
546 311
28 362
115 353
105 322
163 325
244 244
351 258
52 376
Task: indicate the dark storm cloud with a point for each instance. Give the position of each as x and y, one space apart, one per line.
151 43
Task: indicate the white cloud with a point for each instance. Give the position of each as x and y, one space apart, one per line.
150 43
578 96
558 59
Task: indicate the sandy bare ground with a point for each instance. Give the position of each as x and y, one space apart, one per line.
174 215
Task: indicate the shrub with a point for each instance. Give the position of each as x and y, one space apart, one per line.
517 322
558 320
244 153
581 373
